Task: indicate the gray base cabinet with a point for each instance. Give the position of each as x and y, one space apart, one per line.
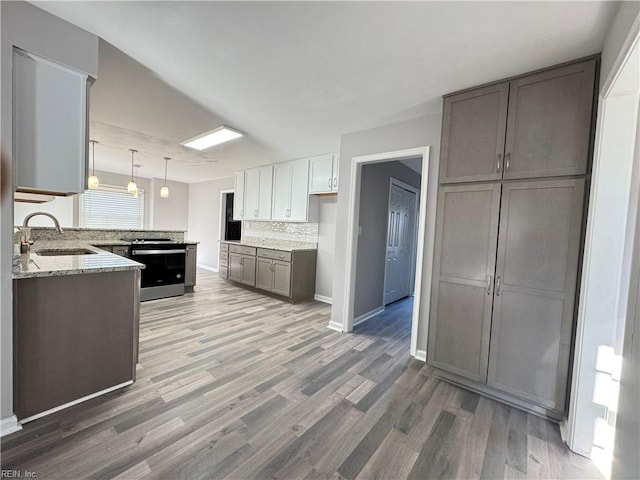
223 261
510 215
287 274
190 266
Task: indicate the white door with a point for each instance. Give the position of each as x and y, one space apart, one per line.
321 174
400 244
281 191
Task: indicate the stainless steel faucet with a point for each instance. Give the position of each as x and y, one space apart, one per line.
25 223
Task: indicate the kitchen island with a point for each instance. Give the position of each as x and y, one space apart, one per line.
76 320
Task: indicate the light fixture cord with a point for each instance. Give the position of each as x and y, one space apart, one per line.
93 149
166 161
132 152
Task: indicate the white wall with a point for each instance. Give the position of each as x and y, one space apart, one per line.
326 245
34 30
204 218
61 207
603 276
411 134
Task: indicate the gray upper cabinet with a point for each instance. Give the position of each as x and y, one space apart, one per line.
50 125
549 126
536 275
465 252
536 125
191 262
473 131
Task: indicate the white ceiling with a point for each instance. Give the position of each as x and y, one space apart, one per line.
295 76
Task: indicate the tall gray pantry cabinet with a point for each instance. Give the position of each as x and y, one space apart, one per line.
515 159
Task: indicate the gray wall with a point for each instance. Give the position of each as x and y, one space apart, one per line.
204 218
411 134
326 245
34 30
374 208
170 213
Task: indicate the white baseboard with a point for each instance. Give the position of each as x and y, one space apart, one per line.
207 267
335 326
363 318
322 298
75 402
9 425
421 355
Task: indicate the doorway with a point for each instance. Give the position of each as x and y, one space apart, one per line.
422 279
401 239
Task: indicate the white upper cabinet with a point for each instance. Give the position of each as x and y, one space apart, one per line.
257 193
50 125
290 194
238 197
323 173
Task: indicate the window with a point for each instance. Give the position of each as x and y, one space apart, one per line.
111 207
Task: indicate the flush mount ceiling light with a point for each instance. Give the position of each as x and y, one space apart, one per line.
92 181
164 191
214 137
132 187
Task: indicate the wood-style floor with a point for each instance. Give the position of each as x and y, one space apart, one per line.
233 384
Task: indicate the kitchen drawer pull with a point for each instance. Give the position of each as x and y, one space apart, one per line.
158 252
498 286
489 285
499 162
335 182
507 162
329 182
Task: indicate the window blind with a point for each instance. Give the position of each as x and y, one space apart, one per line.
111 207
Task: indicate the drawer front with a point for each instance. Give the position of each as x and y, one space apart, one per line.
274 254
224 262
241 249
223 272
224 247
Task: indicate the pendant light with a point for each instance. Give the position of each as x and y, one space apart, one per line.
92 181
164 191
131 186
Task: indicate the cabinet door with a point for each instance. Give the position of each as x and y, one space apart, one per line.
299 204
549 128
281 191
265 189
50 125
238 197
464 265
321 174
190 266
264 274
251 193
537 264
249 270
336 172
282 278
473 131
235 267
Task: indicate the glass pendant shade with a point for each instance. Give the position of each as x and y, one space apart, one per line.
164 192
93 182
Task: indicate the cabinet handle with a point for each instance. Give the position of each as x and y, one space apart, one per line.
272 267
498 286
507 162
499 162
329 182
335 182
489 285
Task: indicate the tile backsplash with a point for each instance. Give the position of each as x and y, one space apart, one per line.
283 231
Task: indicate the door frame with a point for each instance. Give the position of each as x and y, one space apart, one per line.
223 207
353 218
416 206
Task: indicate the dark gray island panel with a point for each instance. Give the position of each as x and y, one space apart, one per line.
75 336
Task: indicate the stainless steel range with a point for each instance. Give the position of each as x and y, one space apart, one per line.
164 261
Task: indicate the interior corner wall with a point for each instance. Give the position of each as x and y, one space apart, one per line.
374 212
171 213
414 133
325 262
204 218
32 29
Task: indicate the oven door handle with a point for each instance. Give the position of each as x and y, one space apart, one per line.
158 252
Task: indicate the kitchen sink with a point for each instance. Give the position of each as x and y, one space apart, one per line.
55 253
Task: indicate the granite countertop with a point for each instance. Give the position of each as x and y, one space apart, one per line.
30 265
275 245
